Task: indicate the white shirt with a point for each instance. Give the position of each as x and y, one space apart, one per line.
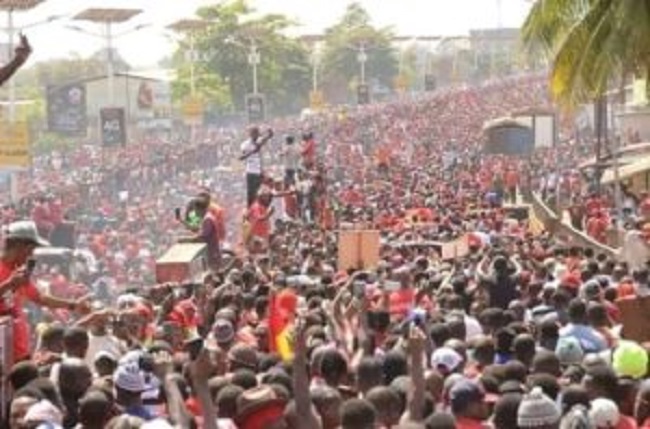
104 343
291 157
253 162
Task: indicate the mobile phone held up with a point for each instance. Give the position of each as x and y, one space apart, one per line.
31 266
193 347
359 289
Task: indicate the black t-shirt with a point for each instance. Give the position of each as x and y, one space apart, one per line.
502 289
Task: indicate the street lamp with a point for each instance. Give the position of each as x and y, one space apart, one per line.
108 17
190 27
362 57
254 57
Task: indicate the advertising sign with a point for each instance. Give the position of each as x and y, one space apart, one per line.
66 110
113 126
14 145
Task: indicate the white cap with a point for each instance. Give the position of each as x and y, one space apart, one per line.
25 230
129 377
447 358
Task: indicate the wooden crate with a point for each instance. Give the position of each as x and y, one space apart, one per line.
184 262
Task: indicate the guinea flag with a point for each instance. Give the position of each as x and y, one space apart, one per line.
282 311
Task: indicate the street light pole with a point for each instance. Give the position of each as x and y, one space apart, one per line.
12 82
363 57
110 66
189 28
254 60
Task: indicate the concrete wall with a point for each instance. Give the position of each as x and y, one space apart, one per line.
564 231
636 121
126 89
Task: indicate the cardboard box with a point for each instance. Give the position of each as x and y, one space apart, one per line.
635 316
358 249
183 262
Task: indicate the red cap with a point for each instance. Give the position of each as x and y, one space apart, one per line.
287 301
572 280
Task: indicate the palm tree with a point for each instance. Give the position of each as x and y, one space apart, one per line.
589 44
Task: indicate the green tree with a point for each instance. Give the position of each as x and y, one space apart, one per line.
343 43
589 43
209 86
283 71
59 71
408 73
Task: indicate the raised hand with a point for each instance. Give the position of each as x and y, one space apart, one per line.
24 49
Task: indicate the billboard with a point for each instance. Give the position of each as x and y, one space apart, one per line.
508 137
15 149
112 124
66 110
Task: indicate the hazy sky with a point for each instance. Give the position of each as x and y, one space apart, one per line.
146 47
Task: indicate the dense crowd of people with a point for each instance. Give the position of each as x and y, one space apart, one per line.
513 329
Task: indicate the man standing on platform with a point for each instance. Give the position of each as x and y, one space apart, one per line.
251 152
207 232
16 285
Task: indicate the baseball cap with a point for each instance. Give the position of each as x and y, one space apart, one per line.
446 358
25 230
129 377
630 360
465 392
223 331
105 355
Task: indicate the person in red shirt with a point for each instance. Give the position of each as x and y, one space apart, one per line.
259 216
21 239
308 150
597 227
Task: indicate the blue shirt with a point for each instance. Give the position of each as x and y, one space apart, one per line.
590 340
139 411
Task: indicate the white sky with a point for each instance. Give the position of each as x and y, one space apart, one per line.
146 47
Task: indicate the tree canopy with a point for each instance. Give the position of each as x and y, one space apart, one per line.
589 43
343 42
224 47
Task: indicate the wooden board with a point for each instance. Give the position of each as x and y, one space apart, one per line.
358 249
635 317
181 263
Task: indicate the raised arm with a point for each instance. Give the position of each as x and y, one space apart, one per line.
23 50
257 146
301 380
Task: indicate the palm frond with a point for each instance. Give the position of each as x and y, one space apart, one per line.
582 65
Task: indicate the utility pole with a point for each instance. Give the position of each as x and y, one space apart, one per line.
362 57
254 60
